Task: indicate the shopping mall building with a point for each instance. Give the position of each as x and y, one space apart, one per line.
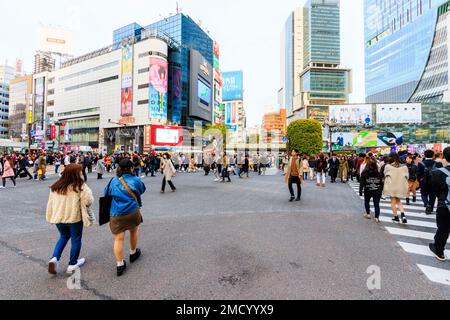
105 100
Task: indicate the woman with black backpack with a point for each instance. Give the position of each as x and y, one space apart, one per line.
372 183
413 184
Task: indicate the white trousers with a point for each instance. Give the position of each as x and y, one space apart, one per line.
321 177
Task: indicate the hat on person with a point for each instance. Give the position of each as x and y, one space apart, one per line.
126 164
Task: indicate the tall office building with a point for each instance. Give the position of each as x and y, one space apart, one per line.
313 78
20 106
6 75
406 51
4 109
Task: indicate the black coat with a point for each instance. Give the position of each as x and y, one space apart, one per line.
440 188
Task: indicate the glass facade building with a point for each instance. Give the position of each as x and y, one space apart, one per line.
328 84
188 35
312 55
322 38
289 63
398 41
4 109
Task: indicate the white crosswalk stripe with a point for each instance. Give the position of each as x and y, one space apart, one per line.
418 249
420 221
436 275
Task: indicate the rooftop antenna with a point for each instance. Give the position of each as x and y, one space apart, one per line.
178 8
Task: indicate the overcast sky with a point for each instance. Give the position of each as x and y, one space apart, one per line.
248 32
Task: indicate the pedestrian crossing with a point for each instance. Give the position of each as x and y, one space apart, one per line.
415 236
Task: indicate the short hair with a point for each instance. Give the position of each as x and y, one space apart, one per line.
447 154
429 154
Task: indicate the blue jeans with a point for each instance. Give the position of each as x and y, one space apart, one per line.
74 232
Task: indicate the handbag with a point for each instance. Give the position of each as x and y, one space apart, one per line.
131 193
105 207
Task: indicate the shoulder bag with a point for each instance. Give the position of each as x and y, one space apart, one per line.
105 206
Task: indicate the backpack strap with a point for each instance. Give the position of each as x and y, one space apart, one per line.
128 189
445 171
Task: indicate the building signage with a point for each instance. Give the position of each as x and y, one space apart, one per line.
158 89
127 81
399 113
341 140
127 120
232 86
147 136
201 88
166 136
231 109
53 132
351 114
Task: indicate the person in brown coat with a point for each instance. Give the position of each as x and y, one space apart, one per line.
294 174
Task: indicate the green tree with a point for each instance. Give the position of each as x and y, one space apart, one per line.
305 136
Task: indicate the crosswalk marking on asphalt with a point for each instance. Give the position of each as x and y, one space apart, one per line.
410 233
436 275
411 222
418 249
410 214
428 224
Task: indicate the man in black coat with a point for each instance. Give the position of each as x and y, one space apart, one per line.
23 164
440 178
334 168
424 176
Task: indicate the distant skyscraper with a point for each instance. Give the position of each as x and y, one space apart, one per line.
7 73
406 50
312 79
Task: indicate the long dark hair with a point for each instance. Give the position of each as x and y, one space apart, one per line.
394 159
372 165
71 177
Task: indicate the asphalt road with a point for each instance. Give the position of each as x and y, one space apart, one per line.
239 240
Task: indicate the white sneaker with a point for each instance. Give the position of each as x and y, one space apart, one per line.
53 266
79 264
2 187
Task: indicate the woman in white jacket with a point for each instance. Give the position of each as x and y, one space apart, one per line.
396 186
168 170
68 208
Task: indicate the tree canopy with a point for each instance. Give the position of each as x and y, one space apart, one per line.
305 136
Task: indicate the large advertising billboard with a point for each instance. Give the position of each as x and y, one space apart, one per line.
318 113
230 113
351 114
175 93
158 89
201 88
399 113
233 88
367 139
126 109
166 136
